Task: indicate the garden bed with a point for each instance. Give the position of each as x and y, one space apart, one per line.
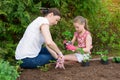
74 71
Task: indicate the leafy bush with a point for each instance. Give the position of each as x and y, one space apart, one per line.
15 15
105 28
67 35
7 51
7 72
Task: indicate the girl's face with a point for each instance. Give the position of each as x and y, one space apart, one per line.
79 27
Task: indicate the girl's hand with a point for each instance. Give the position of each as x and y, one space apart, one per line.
70 47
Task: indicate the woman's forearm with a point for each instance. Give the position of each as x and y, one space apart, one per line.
53 53
54 47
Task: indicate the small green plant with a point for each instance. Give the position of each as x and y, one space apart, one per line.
103 55
80 50
7 72
44 68
116 59
52 61
86 57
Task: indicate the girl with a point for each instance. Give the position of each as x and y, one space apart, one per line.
83 38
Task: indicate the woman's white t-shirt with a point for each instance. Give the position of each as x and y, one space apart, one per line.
32 40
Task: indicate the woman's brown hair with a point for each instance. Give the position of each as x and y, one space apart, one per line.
46 11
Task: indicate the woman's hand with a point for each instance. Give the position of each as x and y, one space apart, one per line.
60 62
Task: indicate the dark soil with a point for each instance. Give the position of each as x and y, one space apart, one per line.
74 71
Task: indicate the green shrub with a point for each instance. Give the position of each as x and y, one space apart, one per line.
15 15
7 72
105 28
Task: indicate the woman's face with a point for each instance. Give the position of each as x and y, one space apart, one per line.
54 19
78 27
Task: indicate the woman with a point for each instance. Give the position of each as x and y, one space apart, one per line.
30 48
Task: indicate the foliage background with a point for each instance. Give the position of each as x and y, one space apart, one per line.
103 17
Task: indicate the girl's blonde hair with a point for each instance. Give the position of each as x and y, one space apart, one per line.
81 20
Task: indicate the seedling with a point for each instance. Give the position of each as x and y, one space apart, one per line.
104 57
86 57
44 68
67 37
116 59
80 50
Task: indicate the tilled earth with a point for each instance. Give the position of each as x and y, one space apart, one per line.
74 71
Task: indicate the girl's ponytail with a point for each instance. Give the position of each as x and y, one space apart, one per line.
86 24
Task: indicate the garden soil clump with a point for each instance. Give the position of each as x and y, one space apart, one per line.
74 71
